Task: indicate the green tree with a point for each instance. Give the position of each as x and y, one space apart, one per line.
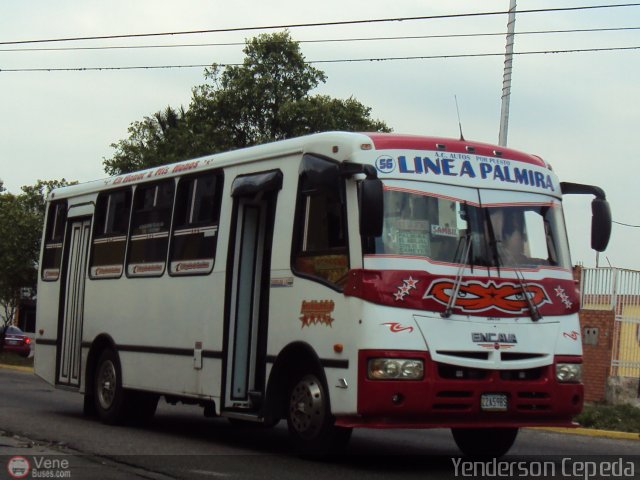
18 249
266 98
164 137
21 220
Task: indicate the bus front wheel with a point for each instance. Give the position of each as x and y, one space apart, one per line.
484 442
311 425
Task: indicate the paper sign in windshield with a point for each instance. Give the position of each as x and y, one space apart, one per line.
444 231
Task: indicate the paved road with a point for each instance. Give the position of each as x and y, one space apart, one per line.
36 419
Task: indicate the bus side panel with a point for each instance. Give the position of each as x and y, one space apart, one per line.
309 311
46 330
156 323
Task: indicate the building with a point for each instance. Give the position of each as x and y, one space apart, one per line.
610 323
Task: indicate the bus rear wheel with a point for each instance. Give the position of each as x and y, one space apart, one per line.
484 442
109 396
311 425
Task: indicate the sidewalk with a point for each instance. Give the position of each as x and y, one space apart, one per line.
16 368
24 458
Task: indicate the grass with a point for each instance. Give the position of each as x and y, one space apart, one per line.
10 358
619 418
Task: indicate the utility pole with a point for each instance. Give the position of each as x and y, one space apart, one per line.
506 78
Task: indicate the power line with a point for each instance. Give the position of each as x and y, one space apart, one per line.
475 55
352 60
326 40
317 24
625 224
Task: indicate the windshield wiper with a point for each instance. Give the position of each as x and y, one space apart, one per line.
499 251
458 281
533 310
465 249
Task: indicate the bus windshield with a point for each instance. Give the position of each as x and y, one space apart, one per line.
420 224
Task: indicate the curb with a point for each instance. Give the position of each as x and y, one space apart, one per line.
16 368
591 432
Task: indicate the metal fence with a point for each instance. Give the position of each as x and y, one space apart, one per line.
618 290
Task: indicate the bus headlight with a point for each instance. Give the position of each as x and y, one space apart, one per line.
569 372
395 369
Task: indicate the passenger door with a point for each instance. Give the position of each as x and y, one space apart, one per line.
74 271
247 298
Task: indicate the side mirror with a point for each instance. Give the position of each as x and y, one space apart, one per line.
600 224
600 213
371 207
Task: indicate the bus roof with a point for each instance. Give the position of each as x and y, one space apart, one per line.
391 141
336 145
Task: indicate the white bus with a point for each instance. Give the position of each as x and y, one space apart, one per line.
336 280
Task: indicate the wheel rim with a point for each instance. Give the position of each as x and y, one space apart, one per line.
106 385
306 407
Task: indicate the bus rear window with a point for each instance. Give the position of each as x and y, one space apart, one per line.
54 236
194 238
150 223
110 229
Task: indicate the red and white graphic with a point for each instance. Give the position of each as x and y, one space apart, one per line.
573 335
314 312
18 467
395 327
564 298
405 288
191 267
106 271
145 269
476 296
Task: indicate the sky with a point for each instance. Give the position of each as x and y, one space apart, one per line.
579 111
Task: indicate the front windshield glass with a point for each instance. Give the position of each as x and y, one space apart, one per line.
527 235
421 224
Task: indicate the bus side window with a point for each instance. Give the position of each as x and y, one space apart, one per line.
150 221
110 229
195 226
54 236
320 230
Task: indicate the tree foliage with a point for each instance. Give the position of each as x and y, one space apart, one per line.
266 98
21 220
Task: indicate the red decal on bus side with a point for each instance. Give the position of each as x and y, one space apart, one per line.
314 312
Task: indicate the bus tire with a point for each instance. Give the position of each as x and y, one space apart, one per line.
89 405
311 426
484 442
109 396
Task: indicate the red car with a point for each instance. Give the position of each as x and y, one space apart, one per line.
14 340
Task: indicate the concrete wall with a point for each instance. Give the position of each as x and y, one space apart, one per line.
621 390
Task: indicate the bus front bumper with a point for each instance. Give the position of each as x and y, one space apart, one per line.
451 396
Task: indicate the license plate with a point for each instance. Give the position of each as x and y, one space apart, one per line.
493 402
13 342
